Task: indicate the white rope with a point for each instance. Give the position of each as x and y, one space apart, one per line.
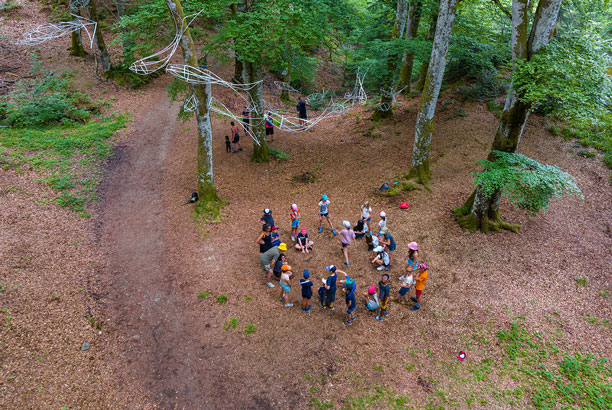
76 5
49 31
286 86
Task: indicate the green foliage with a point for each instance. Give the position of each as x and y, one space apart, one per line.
469 57
278 154
221 298
250 328
528 184
231 324
486 86
204 294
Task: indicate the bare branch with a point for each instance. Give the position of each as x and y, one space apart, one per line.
503 9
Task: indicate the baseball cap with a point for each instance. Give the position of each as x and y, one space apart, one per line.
331 268
274 227
382 214
303 231
294 207
267 211
422 266
346 224
306 274
372 290
324 197
285 268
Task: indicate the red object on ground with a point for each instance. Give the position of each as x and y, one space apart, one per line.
461 356
404 205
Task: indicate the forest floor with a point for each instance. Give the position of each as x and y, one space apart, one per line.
177 315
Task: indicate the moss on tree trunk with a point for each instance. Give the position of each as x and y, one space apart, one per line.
76 49
100 44
412 27
253 73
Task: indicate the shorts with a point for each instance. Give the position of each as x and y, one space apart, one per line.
236 139
307 295
359 235
392 249
370 248
286 288
344 245
330 297
295 223
326 214
303 116
418 292
403 291
367 220
269 131
351 305
383 304
371 307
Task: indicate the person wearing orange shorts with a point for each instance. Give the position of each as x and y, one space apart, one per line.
421 280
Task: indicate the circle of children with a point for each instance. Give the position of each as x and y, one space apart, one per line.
381 246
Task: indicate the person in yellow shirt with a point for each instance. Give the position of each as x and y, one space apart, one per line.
421 280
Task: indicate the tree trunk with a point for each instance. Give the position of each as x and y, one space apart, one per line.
128 40
385 107
76 49
425 63
480 212
206 187
104 57
412 27
238 68
286 79
253 73
437 63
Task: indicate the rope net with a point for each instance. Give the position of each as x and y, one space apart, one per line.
49 31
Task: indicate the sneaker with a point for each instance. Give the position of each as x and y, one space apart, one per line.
380 319
293 239
415 300
346 263
416 307
289 305
388 267
352 318
234 151
309 307
334 232
380 268
304 310
309 248
270 284
346 323
320 229
331 308
385 313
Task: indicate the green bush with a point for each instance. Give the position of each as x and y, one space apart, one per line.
470 58
486 86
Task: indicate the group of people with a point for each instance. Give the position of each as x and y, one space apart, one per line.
381 247
233 145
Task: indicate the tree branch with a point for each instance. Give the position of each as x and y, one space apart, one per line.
503 9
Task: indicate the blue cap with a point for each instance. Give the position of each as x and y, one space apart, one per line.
331 268
306 274
324 197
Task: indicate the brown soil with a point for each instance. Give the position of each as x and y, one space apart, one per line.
139 264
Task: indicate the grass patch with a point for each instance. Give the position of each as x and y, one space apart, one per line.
204 294
305 178
221 298
580 281
231 324
277 154
250 328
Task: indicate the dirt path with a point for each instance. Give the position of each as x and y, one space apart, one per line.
162 351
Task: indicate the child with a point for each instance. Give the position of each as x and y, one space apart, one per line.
383 221
347 234
371 299
245 119
407 282
302 243
387 240
366 212
306 285
421 280
294 213
361 229
381 259
285 284
349 296
330 288
270 126
228 144
236 140
267 219
275 236
383 288
413 256
324 212
282 260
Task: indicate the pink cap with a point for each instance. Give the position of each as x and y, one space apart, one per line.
294 207
303 230
414 246
422 266
372 290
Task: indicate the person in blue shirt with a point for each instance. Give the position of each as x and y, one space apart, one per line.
387 239
306 285
349 296
275 236
330 288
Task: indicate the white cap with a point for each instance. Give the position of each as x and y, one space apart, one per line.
379 249
375 241
346 224
267 211
383 214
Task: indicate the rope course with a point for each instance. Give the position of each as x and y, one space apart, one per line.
49 31
77 5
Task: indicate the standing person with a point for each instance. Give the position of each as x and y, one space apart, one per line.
265 238
285 284
236 138
349 297
270 126
421 280
276 270
406 284
269 258
387 240
245 119
366 214
275 236
383 221
330 288
302 243
324 212
267 218
306 285
413 256
371 300
346 235
294 213
301 110
381 259
384 290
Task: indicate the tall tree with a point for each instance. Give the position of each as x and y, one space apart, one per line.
237 61
100 44
481 212
206 186
385 107
76 49
425 63
412 27
437 63
253 73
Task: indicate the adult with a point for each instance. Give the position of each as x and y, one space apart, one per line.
302 243
270 126
265 238
388 241
245 119
268 259
235 138
301 110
